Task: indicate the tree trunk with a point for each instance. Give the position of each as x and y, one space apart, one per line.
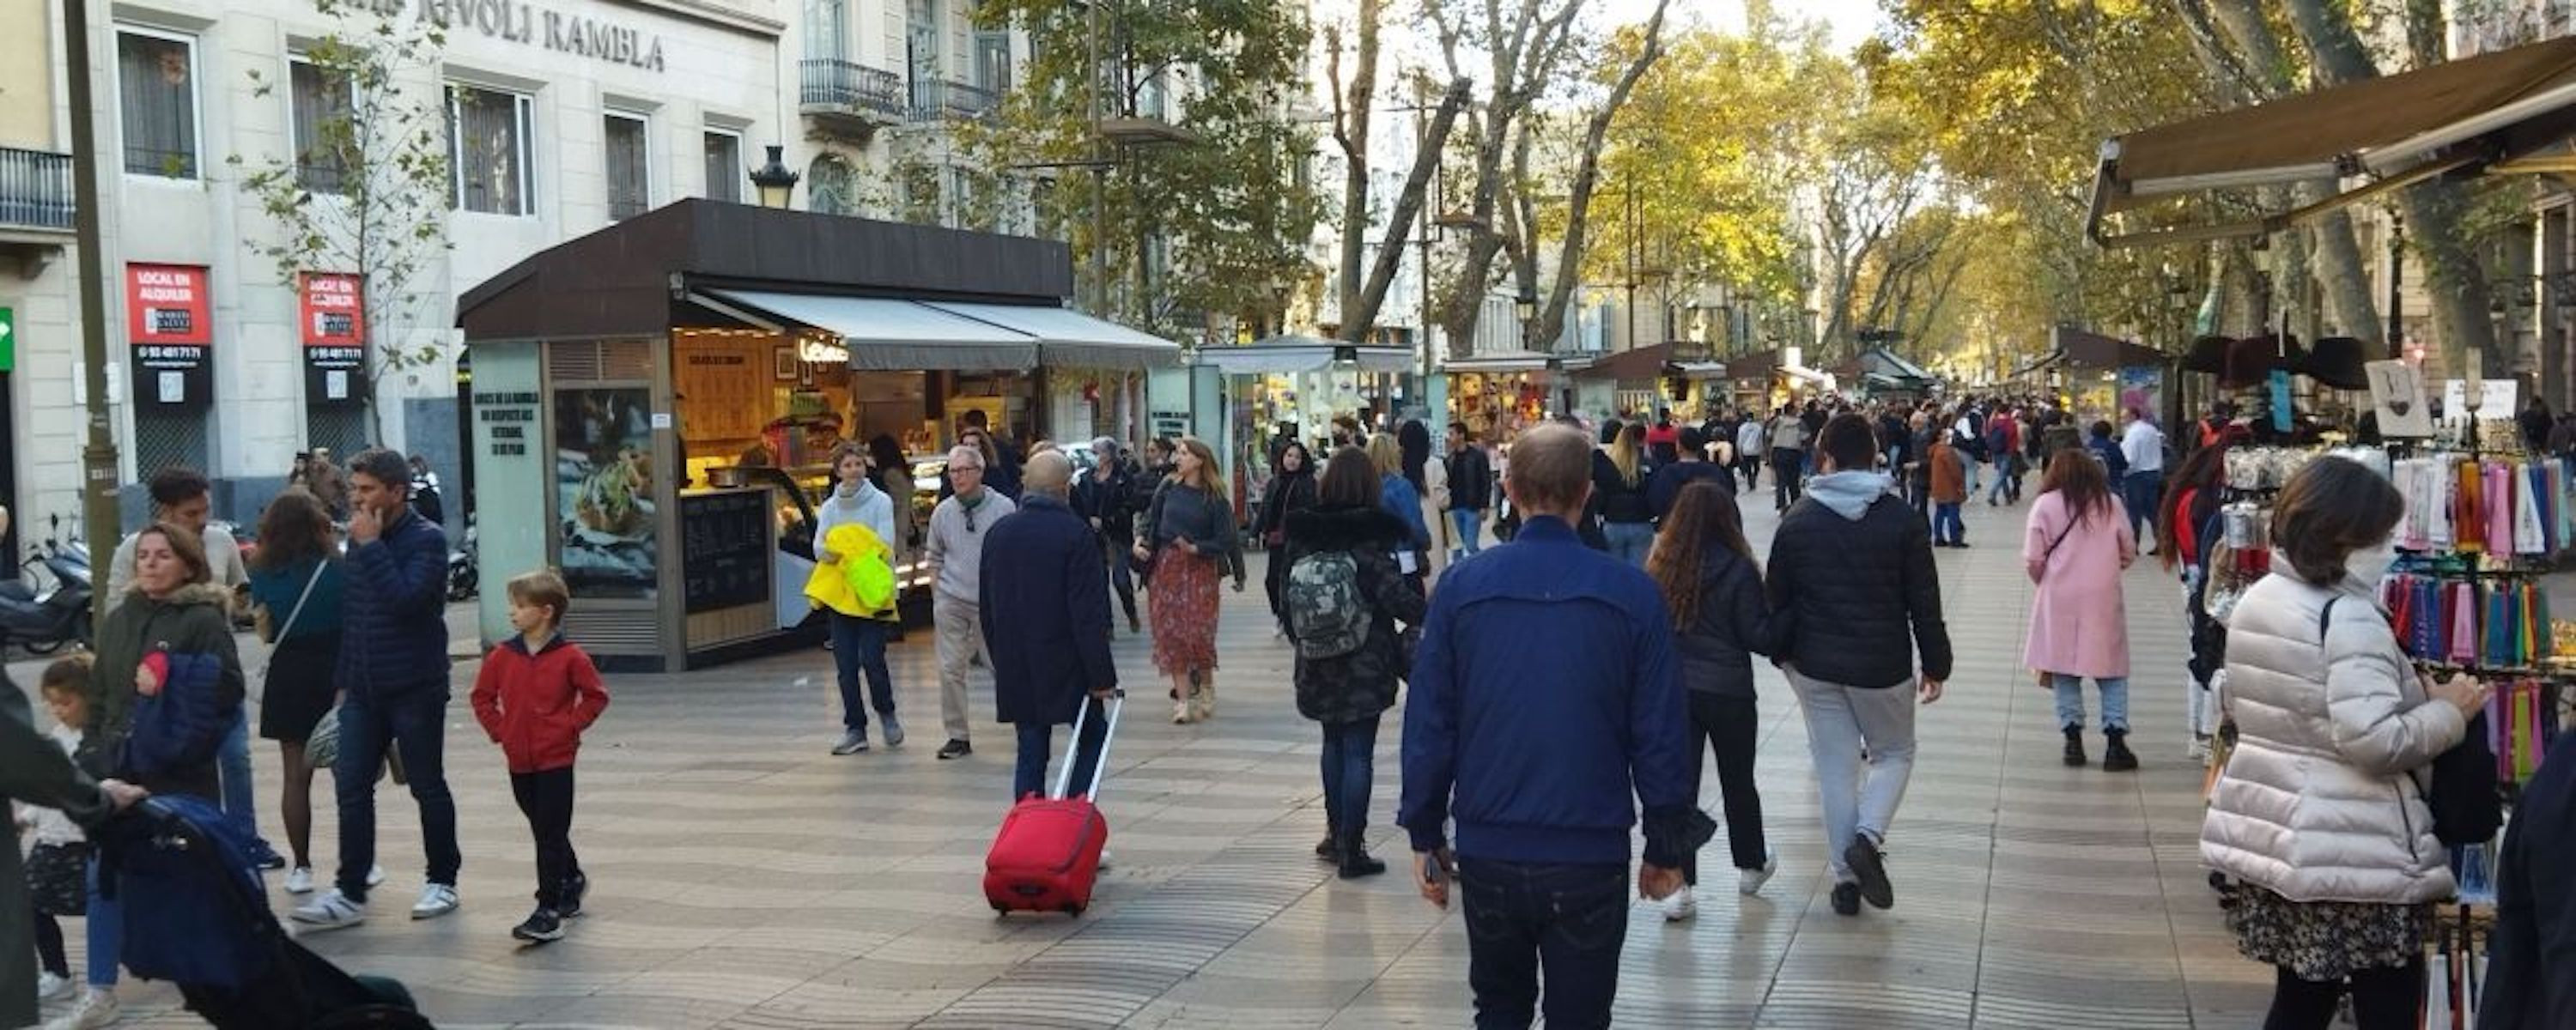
2433 210
1523 55
1352 108
1587 175
1359 315
2350 302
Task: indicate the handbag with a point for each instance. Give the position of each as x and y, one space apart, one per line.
2462 792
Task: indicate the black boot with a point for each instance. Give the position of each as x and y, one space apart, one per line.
2075 747
1356 862
1330 848
2116 756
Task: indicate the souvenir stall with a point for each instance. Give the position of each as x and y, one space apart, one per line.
2483 522
1499 393
1637 380
655 404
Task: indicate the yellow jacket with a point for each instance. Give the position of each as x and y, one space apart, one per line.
862 583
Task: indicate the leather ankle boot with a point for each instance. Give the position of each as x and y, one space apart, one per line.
1356 862
2075 747
2116 756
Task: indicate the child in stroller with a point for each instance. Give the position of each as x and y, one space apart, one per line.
197 915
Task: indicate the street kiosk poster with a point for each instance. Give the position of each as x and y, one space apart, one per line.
604 474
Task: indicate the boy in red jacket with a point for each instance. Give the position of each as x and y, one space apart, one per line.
535 695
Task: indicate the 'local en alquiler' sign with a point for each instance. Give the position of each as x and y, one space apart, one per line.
333 317
169 325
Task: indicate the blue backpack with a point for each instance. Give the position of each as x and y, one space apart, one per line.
195 911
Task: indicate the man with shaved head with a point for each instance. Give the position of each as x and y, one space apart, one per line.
1543 646
1046 623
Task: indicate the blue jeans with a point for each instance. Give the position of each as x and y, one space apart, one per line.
413 721
1037 741
1569 920
2070 701
1470 526
232 763
1947 528
1350 773
106 925
1629 541
859 646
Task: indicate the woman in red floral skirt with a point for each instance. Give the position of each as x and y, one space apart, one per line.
1190 538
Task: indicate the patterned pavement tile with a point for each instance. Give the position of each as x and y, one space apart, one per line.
747 879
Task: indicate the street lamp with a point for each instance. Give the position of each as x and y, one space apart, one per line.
775 181
1526 306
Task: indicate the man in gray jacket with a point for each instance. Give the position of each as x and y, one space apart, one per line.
956 556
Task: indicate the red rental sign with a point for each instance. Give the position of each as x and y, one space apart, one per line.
332 316
168 304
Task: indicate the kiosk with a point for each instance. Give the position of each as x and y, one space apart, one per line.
654 405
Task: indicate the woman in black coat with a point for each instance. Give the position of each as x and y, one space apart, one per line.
1713 588
1291 489
1351 542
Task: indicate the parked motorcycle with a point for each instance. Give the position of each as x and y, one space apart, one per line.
461 566
42 620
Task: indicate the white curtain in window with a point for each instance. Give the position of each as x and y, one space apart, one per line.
322 107
724 167
827 25
490 150
158 79
829 187
627 191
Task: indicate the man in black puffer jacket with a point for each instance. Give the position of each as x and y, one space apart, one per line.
1852 566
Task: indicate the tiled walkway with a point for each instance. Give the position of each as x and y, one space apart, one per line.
745 878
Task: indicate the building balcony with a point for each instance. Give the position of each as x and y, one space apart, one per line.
850 93
937 100
35 190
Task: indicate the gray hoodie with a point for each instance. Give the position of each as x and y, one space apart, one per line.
1849 493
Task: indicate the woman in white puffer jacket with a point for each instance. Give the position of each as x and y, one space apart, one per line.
2320 812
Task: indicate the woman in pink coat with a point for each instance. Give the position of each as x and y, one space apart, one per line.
2075 547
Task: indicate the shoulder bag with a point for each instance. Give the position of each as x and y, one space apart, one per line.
2462 793
279 632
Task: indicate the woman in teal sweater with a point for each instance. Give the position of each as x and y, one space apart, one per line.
296 578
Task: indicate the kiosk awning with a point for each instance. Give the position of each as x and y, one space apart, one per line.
2476 113
1280 355
1502 361
887 335
1071 339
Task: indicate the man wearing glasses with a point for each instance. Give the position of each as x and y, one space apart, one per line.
956 557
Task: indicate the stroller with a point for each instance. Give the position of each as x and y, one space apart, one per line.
197 915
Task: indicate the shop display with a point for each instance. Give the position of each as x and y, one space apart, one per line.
604 474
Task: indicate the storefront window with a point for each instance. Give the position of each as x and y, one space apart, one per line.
604 474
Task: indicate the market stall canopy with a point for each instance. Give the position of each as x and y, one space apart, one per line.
1068 338
1503 361
2102 353
1640 365
637 277
1757 365
2471 115
1280 355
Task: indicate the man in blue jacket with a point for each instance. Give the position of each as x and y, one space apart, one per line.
393 690
1542 847
1046 625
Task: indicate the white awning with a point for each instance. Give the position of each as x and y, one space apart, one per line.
1501 361
887 335
1071 339
1283 355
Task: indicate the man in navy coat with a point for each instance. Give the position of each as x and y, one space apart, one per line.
1046 623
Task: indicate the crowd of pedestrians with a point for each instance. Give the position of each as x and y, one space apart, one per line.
1627 553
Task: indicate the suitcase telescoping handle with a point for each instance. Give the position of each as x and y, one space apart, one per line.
1073 750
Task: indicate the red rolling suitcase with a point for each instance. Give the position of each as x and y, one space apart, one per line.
1047 856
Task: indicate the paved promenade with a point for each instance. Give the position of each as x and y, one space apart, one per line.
743 877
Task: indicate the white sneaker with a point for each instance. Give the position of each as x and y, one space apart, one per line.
299 880
2199 748
331 911
375 876
1748 882
436 899
1681 907
95 1009
1104 860
50 987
